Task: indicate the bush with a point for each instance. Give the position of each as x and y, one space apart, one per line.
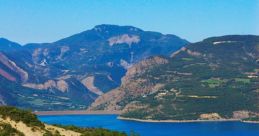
24 116
7 130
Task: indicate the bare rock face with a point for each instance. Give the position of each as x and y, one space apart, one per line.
125 38
88 82
240 114
48 84
108 101
177 52
12 66
62 85
188 51
7 75
35 54
142 66
193 53
124 64
210 116
63 50
59 85
130 87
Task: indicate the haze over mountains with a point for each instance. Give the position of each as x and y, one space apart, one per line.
70 73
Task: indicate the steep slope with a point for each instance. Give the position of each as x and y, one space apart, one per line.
13 90
72 72
216 78
23 123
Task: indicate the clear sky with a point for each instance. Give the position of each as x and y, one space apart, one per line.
27 21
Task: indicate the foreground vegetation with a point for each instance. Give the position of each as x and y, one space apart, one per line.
18 115
6 130
95 131
31 121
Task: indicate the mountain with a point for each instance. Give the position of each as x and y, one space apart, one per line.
70 73
6 45
18 122
217 78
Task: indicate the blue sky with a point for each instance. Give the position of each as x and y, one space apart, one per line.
26 21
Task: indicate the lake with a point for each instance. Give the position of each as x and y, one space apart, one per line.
156 129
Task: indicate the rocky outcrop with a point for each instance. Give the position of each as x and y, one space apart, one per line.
125 38
59 85
35 55
88 82
13 67
142 66
48 84
62 85
129 87
177 52
125 64
237 115
188 51
242 114
108 101
221 42
63 50
210 116
7 75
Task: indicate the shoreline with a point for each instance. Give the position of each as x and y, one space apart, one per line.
77 112
85 112
245 121
184 121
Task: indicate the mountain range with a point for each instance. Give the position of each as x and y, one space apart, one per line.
72 72
145 75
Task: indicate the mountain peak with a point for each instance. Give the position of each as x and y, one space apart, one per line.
109 27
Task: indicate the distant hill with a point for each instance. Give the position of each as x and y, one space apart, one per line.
70 73
18 122
217 78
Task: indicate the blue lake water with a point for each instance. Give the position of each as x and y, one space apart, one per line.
156 129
